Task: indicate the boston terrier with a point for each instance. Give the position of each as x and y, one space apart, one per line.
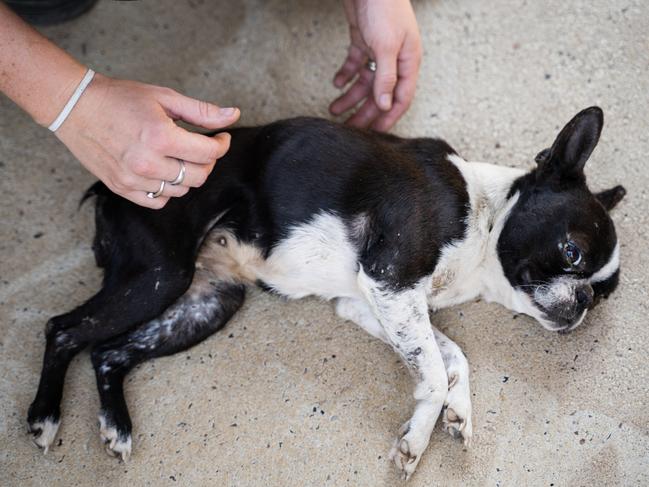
388 228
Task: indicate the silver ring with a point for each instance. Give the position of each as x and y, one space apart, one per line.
152 195
371 65
181 175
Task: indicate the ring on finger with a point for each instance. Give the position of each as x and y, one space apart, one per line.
152 195
181 174
371 65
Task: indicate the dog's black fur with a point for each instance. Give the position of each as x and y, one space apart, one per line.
272 178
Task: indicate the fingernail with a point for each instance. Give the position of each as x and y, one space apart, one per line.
338 81
228 112
385 101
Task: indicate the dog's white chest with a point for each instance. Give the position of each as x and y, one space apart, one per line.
452 282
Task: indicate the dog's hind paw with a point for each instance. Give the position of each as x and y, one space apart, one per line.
456 418
43 432
117 444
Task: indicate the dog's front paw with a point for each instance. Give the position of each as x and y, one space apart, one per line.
456 418
407 450
118 444
43 431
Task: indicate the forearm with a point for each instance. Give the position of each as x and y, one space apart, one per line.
37 75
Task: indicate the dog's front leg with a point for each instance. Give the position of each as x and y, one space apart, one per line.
403 314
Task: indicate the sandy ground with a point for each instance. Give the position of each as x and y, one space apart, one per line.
290 394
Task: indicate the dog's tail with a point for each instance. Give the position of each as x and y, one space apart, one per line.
96 189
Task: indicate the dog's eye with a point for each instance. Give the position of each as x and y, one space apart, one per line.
572 254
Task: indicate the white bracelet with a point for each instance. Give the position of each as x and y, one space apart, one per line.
72 101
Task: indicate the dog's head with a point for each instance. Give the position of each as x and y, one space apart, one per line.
558 245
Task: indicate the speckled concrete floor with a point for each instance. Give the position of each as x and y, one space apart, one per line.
289 394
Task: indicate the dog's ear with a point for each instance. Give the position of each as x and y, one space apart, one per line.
573 146
542 157
611 197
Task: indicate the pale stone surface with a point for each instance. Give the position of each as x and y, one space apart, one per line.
296 396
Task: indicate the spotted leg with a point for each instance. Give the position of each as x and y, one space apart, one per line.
457 408
115 309
202 310
456 418
403 316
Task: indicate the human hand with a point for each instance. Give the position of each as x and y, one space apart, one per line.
124 133
385 31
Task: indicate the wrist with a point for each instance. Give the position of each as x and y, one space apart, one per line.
87 109
56 95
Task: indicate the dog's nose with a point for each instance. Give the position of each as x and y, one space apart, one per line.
584 296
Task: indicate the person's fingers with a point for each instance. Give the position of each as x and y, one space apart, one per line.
385 78
352 65
154 166
386 121
409 62
197 112
401 104
197 148
146 176
365 115
153 185
359 90
196 174
403 98
140 198
403 94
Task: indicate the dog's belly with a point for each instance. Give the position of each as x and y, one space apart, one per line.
316 258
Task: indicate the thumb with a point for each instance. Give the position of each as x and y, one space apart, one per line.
385 79
198 112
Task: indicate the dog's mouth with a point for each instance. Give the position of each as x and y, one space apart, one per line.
563 325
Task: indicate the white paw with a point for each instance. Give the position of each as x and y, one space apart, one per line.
407 450
456 418
43 433
116 446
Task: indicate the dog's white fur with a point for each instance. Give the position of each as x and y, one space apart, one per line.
115 446
610 268
48 429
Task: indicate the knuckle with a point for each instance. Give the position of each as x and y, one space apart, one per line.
223 145
202 178
130 155
166 91
141 167
155 136
202 175
214 152
116 185
389 78
204 109
387 44
365 80
126 181
156 203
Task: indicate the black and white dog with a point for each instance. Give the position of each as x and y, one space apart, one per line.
388 227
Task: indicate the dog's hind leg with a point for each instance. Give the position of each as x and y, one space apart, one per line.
456 417
112 311
201 311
